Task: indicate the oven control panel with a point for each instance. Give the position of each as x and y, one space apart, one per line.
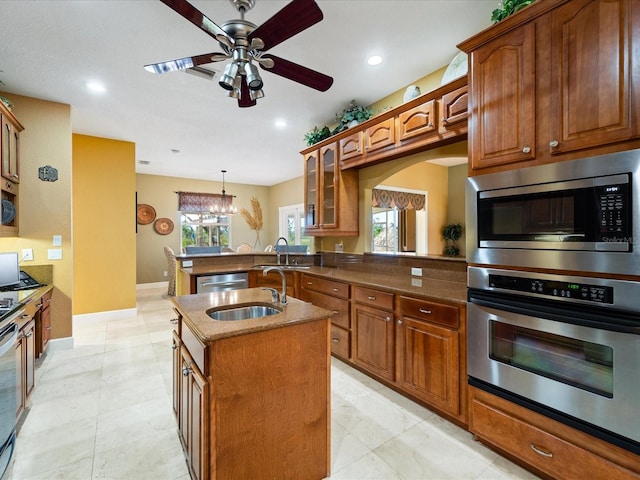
553 288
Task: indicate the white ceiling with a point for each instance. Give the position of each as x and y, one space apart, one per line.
51 49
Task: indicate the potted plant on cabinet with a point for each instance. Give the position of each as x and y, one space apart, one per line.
452 233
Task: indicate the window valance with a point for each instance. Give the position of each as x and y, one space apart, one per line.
394 199
203 202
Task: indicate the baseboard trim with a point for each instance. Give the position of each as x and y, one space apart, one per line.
148 286
108 315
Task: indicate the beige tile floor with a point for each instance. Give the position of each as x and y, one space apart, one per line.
103 411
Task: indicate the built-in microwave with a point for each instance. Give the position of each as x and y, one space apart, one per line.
578 215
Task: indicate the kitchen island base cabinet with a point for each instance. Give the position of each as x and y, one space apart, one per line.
255 405
550 448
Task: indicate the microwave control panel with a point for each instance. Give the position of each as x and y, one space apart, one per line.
553 288
614 208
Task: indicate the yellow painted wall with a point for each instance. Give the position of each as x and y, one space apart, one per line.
104 240
45 207
159 192
456 211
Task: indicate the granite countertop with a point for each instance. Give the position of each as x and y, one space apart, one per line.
425 287
194 309
20 298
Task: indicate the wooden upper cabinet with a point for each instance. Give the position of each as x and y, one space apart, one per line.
454 110
330 195
502 125
554 82
419 120
380 135
591 60
351 146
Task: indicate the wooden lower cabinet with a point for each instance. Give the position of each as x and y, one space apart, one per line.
273 280
552 449
256 405
373 332
25 363
43 324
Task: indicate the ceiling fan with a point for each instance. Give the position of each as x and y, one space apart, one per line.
244 43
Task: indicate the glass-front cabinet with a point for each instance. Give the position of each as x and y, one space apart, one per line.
9 163
331 194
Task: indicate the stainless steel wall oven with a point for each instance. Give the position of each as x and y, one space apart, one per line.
565 346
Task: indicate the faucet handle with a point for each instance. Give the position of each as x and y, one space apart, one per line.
275 296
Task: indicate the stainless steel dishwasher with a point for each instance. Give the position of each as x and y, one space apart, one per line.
222 282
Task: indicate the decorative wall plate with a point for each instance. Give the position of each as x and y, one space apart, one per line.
8 212
146 214
163 226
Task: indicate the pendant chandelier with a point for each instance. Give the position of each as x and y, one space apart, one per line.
225 205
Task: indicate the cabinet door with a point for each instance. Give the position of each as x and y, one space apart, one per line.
373 341
177 375
20 382
10 149
502 125
351 147
30 356
417 121
380 135
428 363
454 110
328 187
311 190
591 62
193 415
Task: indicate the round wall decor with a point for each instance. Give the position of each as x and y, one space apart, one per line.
163 226
145 214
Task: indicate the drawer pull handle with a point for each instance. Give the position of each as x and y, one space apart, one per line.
186 371
309 283
425 311
335 340
48 328
336 289
388 319
553 143
539 451
38 305
371 297
526 149
399 322
336 311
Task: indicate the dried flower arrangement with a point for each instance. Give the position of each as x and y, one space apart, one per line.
253 220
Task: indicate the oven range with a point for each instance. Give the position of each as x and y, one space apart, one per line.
564 346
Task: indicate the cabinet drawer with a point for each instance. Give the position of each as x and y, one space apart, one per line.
194 347
340 341
542 450
330 287
340 307
430 312
375 298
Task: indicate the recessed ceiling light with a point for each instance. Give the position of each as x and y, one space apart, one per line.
374 60
280 123
96 87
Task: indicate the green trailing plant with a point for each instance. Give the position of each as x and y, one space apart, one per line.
508 7
352 112
452 233
317 135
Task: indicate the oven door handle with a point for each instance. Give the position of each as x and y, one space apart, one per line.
8 340
576 315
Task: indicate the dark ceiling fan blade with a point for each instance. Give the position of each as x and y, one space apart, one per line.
245 99
291 20
184 63
298 73
196 17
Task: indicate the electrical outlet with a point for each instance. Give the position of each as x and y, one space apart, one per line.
57 241
187 263
54 254
166 273
27 254
416 272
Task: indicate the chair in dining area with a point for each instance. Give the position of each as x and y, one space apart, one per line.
172 266
244 248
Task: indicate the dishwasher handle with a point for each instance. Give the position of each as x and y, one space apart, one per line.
229 283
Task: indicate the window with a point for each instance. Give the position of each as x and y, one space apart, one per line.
200 223
205 229
292 225
384 230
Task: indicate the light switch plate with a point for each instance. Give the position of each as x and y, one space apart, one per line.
187 263
27 254
416 272
54 254
57 240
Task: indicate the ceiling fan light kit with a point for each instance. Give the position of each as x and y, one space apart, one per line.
244 43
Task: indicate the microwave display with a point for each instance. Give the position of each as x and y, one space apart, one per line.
587 214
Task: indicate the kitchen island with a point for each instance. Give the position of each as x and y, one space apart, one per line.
252 397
